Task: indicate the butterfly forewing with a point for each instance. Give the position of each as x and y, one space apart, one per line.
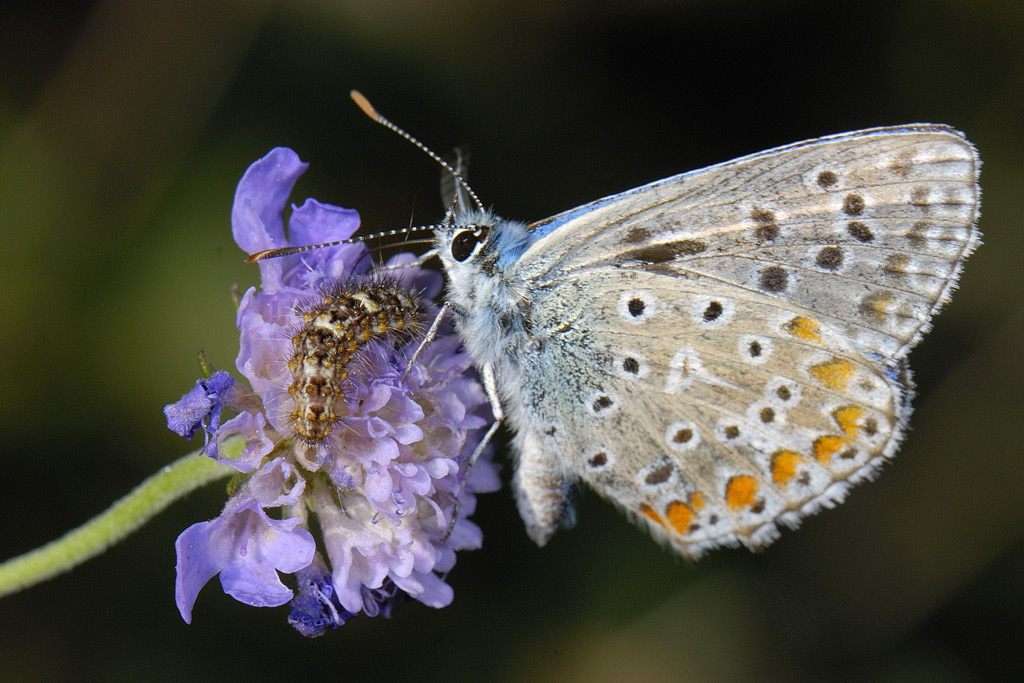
723 350
869 229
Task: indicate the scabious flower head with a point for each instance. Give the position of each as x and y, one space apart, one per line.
386 490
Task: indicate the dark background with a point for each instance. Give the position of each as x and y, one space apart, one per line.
124 127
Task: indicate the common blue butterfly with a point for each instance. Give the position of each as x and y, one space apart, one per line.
722 351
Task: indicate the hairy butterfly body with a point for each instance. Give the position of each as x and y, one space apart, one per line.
724 350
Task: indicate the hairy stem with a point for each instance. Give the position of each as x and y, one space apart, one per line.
122 518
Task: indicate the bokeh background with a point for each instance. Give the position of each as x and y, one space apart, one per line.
124 127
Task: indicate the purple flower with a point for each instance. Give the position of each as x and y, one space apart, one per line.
386 487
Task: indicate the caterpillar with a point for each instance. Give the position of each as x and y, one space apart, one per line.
334 329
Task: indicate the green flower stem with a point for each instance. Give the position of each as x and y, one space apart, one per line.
122 518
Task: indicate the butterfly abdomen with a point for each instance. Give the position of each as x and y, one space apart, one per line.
334 329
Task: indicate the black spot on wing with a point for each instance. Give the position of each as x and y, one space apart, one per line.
665 252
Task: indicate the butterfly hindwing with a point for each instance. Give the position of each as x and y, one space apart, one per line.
708 427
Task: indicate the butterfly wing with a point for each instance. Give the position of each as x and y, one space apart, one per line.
869 228
724 350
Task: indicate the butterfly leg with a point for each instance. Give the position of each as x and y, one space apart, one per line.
491 387
427 338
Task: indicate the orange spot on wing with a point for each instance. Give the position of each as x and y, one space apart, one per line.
827 446
847 417
834 374
649 512
784 465
804 328
680 516
740 491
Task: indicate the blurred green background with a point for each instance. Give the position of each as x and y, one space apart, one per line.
124 127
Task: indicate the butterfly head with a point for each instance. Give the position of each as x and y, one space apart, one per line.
478 243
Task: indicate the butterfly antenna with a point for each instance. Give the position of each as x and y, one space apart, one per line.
288 251
368 109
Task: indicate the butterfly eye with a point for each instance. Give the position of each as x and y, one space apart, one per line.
464 243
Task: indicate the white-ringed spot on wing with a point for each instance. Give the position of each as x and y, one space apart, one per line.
711 312
659 472
773 279
860 231
598 459
853 204
728 431
828 258
827 179
631 365
782 391
755 349
768 414
682 436
602 404
637 306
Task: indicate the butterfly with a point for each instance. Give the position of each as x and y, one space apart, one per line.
723 351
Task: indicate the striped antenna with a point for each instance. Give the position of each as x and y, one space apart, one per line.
288 251
368 109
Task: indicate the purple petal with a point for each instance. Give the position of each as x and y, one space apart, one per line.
261 546
257 443
276 484
378 428
466 535
378 485
185 416
315 223
426 587
247 548
406 434
218 386
195 566
262 194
